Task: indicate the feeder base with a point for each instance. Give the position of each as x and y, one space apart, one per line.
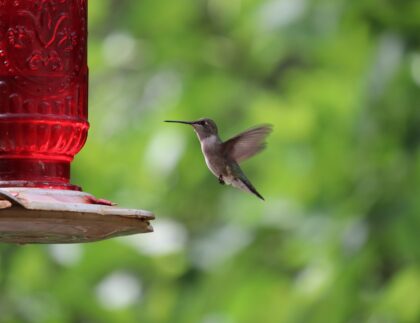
30 215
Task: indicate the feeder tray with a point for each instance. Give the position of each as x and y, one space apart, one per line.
31 215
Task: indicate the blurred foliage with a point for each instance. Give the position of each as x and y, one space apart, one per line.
337 239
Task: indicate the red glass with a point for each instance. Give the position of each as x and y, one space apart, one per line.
43 91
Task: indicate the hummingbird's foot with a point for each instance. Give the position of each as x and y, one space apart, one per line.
221 181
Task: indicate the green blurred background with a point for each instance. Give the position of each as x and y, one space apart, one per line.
337 239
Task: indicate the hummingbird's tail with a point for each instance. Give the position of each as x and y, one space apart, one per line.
244 184
251 188
241 181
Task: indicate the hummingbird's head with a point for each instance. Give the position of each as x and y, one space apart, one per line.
204 127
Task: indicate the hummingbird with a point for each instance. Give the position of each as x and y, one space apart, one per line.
223 158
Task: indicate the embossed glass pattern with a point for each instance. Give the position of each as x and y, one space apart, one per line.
43 90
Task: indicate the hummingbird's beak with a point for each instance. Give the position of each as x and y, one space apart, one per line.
184 122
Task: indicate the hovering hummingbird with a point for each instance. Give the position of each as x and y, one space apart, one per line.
223 158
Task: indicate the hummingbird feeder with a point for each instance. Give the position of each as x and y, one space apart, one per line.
44 124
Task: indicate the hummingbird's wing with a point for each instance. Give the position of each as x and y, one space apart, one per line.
247 143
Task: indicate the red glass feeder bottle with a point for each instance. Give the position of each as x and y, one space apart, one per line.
43 125
43 91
